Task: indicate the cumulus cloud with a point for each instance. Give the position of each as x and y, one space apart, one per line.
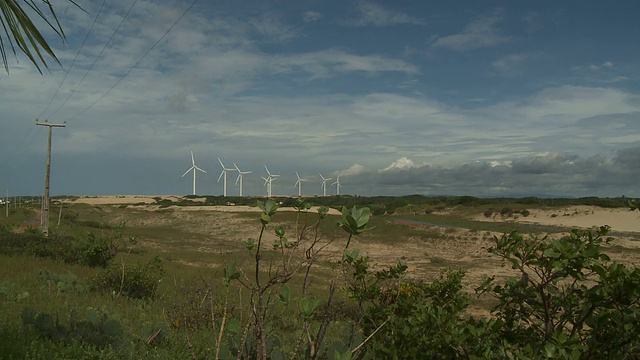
401 163
354 169
543 174
480 33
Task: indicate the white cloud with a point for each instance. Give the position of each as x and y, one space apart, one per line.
370 14
332 62
508 62
311 16
273 28
402 163
355 169
480 33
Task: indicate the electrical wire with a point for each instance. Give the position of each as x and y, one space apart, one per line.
138 62
97 57
73 62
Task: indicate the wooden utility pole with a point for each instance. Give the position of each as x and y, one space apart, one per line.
45 199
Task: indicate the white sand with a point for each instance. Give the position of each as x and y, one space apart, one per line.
619 219
148 200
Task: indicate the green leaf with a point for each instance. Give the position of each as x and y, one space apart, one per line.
285 294
308 307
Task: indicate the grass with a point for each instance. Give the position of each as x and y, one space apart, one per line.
463 223
194 247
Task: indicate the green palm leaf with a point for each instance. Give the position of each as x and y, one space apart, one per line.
19 31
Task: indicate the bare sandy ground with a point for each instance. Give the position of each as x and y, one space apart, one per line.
574 216
150 199
619 219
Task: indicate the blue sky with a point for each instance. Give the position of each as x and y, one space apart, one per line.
484 98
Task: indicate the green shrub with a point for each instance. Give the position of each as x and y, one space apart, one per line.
506 212
95 329
136 281
569 301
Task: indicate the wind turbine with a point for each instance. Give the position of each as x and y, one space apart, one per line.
268 180
337 184
194 168
224 173
299 184
324 184
240 174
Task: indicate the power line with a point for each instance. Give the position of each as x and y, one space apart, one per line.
72 63
138 62
97 57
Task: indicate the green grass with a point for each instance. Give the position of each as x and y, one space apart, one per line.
194 254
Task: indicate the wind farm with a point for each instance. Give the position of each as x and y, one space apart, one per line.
268 179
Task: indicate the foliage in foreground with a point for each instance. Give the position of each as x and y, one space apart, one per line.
566 300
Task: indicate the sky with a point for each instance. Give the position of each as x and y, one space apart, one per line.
481 98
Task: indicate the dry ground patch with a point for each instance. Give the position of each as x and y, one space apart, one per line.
209 236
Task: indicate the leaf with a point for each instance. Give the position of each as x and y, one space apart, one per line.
552 253
285 294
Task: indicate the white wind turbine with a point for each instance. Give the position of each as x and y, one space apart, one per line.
194 168
224 173
324 184
337 184
268 180
299 184
240 174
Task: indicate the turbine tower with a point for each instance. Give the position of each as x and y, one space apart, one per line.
224 173
194 168
267 180
299 184
324 184
240 174
337 184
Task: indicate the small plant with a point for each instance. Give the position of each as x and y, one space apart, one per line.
139 281
569 301
506 212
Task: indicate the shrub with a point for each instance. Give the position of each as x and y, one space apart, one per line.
426 321
506 212
96 329
570 299
135 281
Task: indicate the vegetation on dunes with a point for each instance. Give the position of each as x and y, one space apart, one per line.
159 282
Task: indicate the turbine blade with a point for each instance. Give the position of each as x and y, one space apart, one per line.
238 179
221 164
193 160
186 172
222 173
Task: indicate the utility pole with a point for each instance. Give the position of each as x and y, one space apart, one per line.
45 199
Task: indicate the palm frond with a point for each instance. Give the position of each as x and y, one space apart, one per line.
20 31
